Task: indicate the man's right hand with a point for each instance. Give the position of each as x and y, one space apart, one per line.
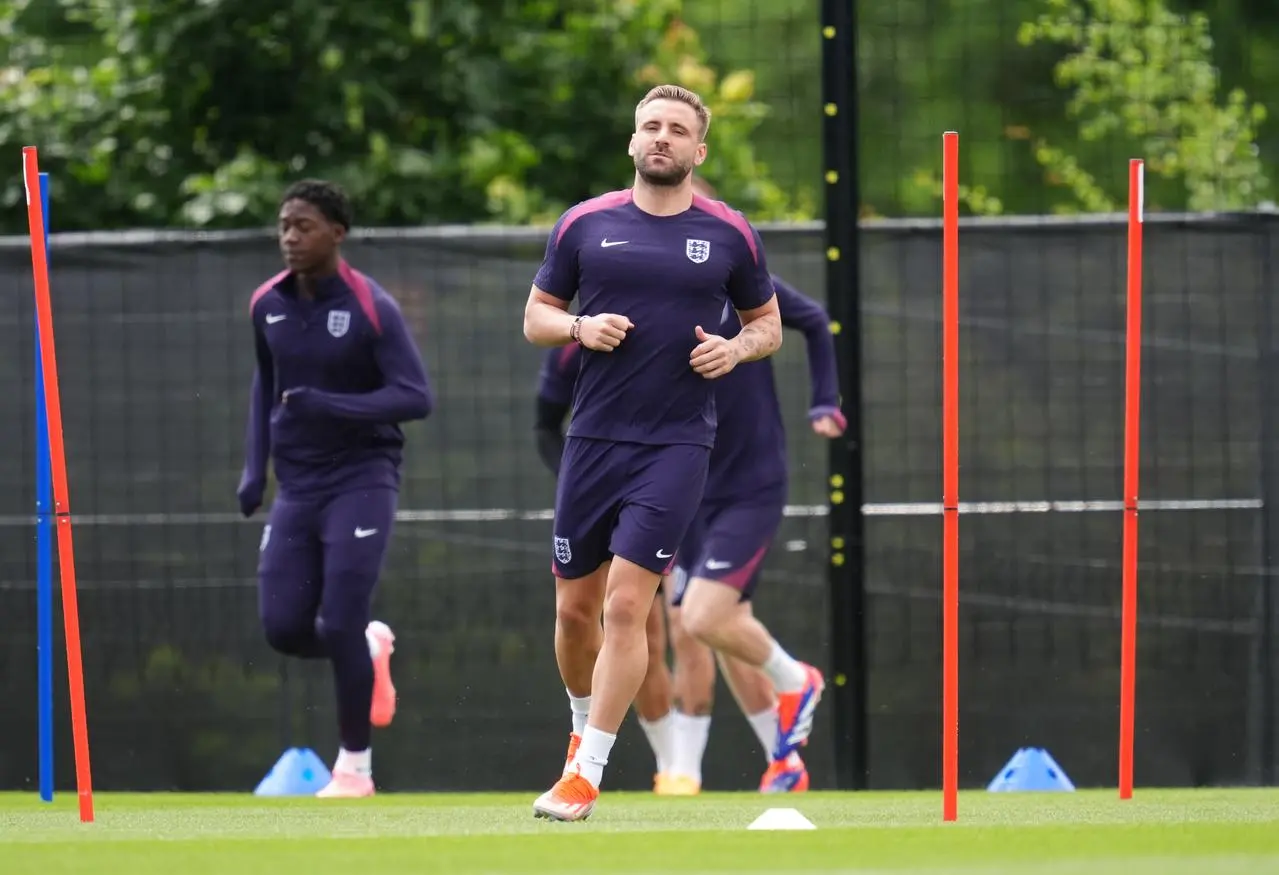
249 495
605 332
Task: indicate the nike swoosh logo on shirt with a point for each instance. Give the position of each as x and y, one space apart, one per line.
606 243
662 555
271 320
364 533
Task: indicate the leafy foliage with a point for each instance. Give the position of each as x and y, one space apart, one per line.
1143 75
197 112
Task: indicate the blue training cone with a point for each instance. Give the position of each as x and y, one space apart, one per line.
1032 769
298 772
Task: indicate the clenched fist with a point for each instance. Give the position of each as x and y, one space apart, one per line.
713 356
603 333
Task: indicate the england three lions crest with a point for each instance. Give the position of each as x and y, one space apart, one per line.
339 322
697 250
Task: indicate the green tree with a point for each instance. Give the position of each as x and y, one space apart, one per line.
779 43
168 112
925 66
928 66
1142 77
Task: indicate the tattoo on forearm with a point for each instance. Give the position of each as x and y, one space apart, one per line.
760 338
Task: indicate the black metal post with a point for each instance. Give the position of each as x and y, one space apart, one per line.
847 544
1266 651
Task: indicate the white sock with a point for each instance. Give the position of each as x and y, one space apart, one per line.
659 734
357 762
787 675
690 734
581 710
765 725
592 756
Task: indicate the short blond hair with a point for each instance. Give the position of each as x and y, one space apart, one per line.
684 96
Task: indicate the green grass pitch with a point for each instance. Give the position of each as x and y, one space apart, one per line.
1158 832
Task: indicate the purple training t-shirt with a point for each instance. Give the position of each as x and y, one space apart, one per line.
667 274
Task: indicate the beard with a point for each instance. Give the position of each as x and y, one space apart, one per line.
669 176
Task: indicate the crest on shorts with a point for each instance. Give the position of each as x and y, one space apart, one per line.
563 552
339 322
697 250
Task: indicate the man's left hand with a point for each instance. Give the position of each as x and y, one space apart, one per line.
713 356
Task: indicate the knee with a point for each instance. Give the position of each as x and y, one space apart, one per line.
626 608
342 633
347 604
344 622
288 635
701 622
576 615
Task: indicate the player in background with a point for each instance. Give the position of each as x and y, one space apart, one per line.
653 265
337 372
720 561
653 704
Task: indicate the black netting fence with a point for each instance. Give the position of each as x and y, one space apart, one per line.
155 358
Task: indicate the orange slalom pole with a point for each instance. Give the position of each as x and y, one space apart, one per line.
1132 457
950 476
61 497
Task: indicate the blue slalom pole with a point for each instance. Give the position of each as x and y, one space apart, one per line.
44 554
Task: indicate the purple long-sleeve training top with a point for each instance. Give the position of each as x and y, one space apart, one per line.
335 377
